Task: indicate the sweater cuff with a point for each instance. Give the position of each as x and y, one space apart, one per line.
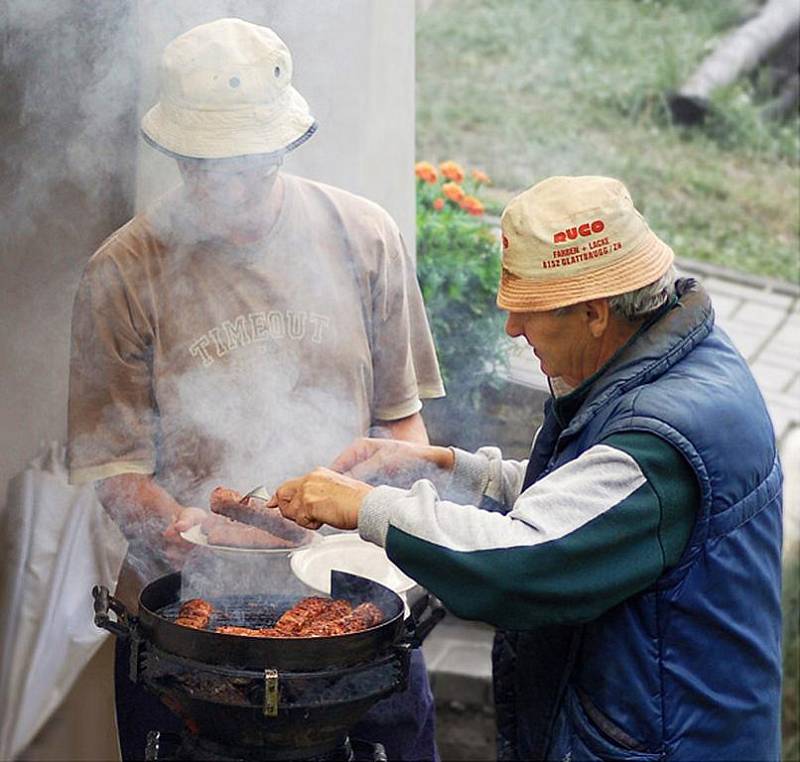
470 476
376 510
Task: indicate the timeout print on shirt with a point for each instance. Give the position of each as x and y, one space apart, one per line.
256 327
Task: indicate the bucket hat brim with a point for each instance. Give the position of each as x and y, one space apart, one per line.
219 134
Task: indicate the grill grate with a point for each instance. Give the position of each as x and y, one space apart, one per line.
235 611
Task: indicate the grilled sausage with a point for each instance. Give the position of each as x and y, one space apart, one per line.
364 616
237 535
329 621
195 613
254 512
293 620
311 617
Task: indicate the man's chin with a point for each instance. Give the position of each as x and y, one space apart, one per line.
243 237
235 229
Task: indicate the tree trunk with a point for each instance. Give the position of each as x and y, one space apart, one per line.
738 53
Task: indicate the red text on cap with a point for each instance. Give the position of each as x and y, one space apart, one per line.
588 228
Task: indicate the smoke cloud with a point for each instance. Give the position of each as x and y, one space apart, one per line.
78 77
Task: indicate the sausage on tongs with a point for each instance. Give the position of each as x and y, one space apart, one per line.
228 502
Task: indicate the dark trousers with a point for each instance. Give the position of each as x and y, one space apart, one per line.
403 722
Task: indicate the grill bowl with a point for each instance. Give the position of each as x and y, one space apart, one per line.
219 684
159 598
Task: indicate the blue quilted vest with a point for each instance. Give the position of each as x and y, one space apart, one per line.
690 668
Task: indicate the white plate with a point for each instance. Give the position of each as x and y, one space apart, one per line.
197 535
347 553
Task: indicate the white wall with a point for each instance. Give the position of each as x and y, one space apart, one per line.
66 124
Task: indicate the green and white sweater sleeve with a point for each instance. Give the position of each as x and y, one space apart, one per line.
577 542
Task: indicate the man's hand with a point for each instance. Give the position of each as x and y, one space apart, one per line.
321 497
390 461
175 547
145 512
189 517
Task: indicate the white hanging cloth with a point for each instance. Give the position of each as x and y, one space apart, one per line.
58 543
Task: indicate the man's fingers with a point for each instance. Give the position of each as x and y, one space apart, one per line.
292 508
284 493
188 517
307 522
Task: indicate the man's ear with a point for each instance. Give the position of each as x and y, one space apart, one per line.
597 313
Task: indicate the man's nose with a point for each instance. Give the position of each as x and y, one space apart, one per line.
513 326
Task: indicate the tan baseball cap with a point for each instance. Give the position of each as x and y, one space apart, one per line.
570 239
226 90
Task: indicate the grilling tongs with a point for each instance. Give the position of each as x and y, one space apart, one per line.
261 492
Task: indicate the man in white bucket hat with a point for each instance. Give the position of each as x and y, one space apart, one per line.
226 90
245 328
632 564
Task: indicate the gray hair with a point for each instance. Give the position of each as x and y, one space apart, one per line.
639 304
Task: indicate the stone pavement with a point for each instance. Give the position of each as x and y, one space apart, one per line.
762 316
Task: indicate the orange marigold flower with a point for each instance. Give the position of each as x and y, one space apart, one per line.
452 171
472 205
454 192
480 177
426 172
438 204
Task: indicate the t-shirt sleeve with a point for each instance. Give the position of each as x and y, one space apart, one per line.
111 415
405 368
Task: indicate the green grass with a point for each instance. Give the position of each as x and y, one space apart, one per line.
525 89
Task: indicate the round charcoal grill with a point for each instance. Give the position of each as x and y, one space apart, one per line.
285 698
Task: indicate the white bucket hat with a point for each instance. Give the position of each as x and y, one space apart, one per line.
225 91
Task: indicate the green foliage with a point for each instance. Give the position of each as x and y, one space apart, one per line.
458 267
736 123
532 89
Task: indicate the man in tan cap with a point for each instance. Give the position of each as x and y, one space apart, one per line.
632 563
247 327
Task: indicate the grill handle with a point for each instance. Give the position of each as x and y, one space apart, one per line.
417 625
105 602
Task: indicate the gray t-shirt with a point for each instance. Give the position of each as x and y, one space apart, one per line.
208 364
